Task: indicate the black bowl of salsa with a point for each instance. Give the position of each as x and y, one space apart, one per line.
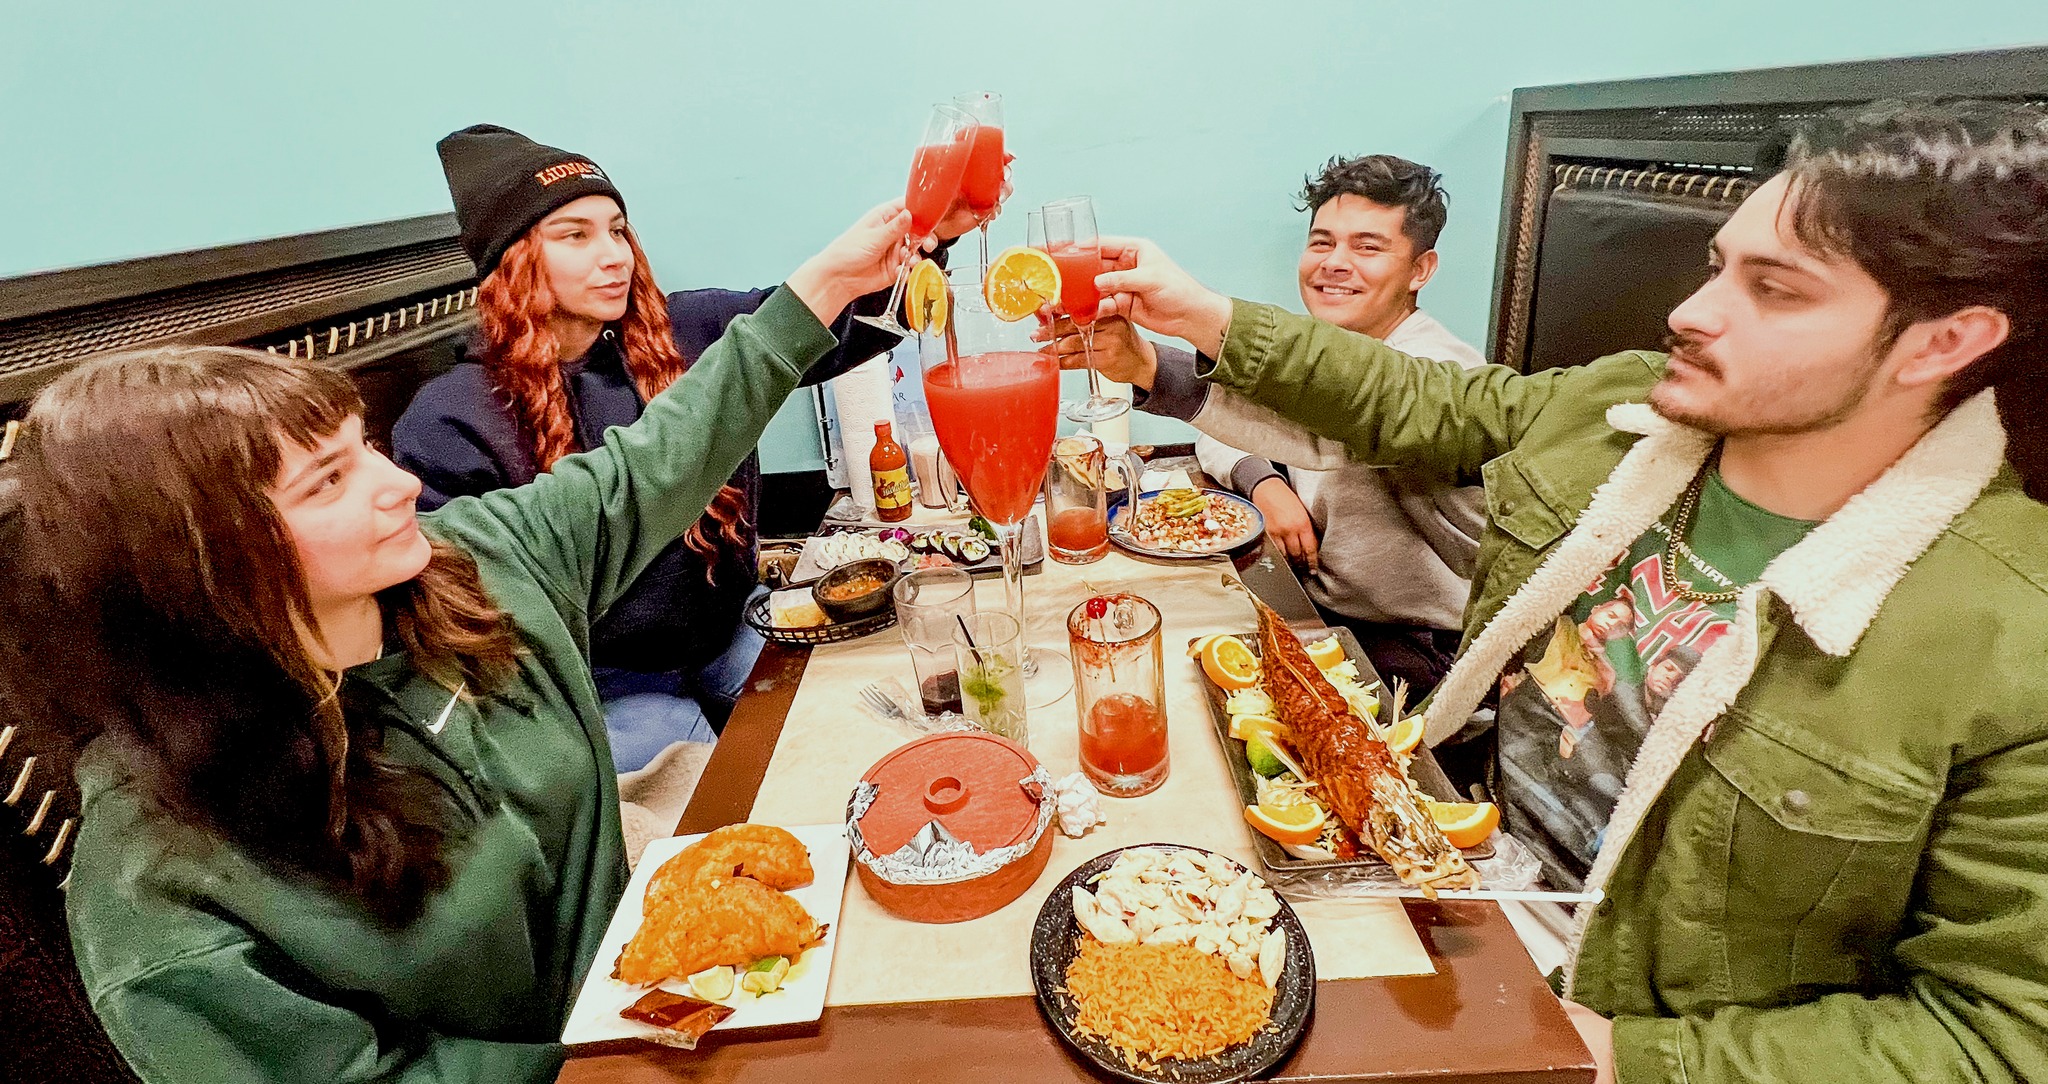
856 589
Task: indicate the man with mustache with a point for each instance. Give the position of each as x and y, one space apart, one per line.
1826 860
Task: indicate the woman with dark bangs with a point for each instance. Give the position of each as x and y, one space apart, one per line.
349 811
574 337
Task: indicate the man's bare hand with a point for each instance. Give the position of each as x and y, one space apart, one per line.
1288 521
1119 352
1157 295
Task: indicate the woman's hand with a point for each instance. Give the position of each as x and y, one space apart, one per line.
1158 296
866 258
1120 353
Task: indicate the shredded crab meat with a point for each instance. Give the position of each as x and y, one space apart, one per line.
1206 901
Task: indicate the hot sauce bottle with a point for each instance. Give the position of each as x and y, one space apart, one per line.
890 469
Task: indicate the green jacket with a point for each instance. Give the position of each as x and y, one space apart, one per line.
1830 861
208 966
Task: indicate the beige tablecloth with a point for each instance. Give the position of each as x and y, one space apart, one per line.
828 743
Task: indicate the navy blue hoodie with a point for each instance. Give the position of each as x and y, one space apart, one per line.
461 437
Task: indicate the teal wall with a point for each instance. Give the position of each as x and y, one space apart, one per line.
746 133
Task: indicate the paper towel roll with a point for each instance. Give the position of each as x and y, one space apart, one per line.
1115 432
864 395
937 486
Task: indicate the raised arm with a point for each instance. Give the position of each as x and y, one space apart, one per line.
700 317
1385 407
589 526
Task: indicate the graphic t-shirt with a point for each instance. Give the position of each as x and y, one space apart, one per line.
1574 706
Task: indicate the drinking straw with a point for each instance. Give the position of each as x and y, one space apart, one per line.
971 645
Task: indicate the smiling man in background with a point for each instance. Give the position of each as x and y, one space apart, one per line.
1385 552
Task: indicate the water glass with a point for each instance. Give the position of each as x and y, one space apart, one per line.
989 650
929 604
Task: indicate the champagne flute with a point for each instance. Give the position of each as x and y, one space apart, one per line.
982 187
1069 237
935 175
994 399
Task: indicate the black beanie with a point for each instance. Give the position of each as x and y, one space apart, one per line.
503 183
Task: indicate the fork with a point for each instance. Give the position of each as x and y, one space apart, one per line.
885 705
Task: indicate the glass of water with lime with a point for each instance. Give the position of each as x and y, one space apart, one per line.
989 648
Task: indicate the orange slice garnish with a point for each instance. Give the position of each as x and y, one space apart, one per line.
1298 823
1406 735
1465 824
1326 652
926 292
1230 664
1019 281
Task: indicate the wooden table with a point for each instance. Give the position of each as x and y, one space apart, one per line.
1485 1017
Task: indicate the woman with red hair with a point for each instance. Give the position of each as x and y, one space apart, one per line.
574 338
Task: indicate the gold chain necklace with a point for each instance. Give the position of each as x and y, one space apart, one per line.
1681 525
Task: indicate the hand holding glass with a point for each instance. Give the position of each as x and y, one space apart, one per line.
1067 234
936 172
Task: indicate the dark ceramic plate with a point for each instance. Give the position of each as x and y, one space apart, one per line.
1056 940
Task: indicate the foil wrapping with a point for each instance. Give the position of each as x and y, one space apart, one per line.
934 856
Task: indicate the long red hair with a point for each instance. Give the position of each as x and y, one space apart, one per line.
513 307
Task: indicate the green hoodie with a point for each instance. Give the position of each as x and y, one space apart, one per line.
206 965
1828 860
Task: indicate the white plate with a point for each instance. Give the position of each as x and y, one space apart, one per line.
595 1018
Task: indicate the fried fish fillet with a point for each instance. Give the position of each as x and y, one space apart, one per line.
764 852
718 919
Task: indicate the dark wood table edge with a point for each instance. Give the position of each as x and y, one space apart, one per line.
1471 943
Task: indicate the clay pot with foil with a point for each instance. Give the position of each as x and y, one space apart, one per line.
951 827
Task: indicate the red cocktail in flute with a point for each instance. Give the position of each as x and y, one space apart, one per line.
994 402
936 170
1065 229
982 187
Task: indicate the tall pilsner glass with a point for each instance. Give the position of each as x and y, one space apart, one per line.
995 404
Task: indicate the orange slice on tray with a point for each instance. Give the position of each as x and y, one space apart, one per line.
926 290
1465 824
1406 735
1301 822
1019 281
1326 652
1229 663
1242 727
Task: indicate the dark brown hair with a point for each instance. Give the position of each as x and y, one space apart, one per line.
1946 206
1391 182
513 306
159 600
